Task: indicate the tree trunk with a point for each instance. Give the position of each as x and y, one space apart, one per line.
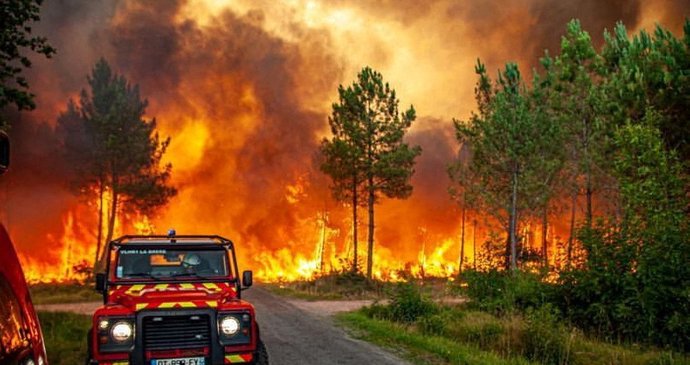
569 250
112 217
544 232
512 225
474 244
588 173
99 235
462 236
370 248
354 224
589 193
322 244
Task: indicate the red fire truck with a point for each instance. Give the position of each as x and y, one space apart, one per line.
174 300
21 340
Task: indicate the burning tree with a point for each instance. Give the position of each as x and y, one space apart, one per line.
114 152
367 155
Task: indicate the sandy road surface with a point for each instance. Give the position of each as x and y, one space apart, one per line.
295 331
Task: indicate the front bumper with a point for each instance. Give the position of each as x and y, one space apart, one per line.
239 358
214 352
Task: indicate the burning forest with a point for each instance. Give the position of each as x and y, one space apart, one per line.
244 91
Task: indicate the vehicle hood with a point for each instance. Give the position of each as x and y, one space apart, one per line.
171 295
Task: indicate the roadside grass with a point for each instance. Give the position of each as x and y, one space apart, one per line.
334 286
63 293
429 333
458 336
419 347
349 286
65 337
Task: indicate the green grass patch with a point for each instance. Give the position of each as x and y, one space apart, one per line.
456 335
65 336
349 286
419 347
63 293
335 286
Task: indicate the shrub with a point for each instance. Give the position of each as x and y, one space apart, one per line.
377 311
408 304
481 329
434 324
502 292
547 340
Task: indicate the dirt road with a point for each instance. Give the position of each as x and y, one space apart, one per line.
298 332
295 331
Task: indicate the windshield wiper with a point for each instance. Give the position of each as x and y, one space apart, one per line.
144 275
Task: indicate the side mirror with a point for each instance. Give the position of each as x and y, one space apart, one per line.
100 282
247 279
4 152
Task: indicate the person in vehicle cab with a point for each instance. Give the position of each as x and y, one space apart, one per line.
193 263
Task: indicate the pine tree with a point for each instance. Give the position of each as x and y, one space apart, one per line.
367 154
512 145
115 153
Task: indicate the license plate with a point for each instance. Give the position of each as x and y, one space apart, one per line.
179 361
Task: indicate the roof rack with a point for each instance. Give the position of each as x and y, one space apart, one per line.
171 238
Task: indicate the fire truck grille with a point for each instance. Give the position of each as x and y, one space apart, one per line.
176 332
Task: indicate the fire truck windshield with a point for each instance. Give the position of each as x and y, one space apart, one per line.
161 263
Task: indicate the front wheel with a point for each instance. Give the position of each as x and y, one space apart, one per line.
261 355
89 350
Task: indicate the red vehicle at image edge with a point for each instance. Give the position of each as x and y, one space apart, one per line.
21 340
173 300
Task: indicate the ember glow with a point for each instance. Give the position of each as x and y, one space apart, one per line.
244 89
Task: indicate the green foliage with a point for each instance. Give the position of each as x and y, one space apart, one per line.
651 70
433 324
547 339
64 293
618 121
636 277
514 151
460 336
113 150
408 304
16 38
502 292
378 311
65 336
345 285
479 328
366 156
422 348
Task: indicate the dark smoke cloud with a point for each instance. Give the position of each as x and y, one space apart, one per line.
522 30
215 63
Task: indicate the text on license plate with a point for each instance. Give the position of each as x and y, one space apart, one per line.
179 361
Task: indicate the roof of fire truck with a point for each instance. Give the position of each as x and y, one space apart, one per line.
172 238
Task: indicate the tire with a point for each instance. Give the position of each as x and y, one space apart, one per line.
261 355
89 352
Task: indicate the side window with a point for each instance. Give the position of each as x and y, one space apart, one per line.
11 320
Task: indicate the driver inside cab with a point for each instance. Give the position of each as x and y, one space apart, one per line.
193 263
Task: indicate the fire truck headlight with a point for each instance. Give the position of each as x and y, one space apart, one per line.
229 325
121 331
